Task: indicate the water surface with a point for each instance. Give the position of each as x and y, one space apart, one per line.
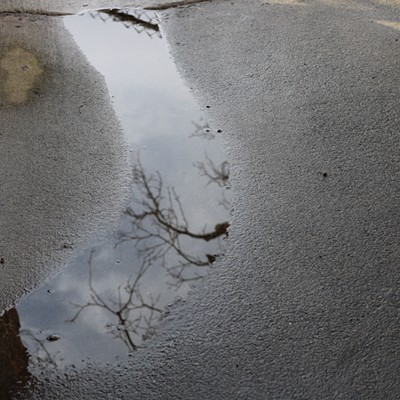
109 300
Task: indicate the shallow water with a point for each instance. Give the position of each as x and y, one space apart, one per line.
109 300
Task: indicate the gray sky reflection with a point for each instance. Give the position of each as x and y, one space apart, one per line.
110 299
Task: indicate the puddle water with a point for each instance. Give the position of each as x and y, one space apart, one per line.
109 300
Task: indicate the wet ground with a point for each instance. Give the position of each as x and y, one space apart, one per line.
305 303
108 301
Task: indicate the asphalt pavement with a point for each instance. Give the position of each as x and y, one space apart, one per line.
305 303
64 160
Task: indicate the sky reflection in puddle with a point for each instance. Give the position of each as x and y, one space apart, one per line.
105 304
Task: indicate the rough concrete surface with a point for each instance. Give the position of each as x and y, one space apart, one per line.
64 161
305 304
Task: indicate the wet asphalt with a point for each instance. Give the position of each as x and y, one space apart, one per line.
305 304
64 162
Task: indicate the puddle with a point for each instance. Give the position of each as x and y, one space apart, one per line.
108 302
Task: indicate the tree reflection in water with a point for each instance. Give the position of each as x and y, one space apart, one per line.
125 285
135 315
140 20
157 226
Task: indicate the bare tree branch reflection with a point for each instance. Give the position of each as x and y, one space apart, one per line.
158 222
135 315
141 21
203 130
39 354
157 225
121 16
218 174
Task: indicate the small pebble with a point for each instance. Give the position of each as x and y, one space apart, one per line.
53 338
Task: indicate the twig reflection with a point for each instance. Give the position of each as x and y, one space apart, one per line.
130 19
140 20
39 354
135 315
218 174
157 225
